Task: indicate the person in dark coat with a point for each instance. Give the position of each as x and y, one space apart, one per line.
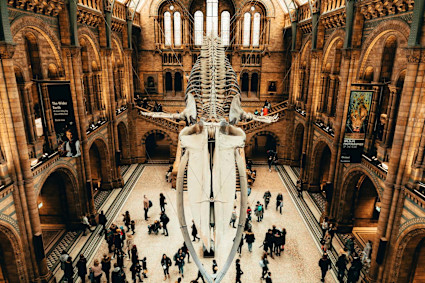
164 220
127 220
117 243
133 226
135 269
120 259
240 246
239 271
134 255
162 202
82 268
194 232
277 241
106 266
69 270
283 239
102 221
144 267
354 271
118 275
269 242
325 265
341 264
166 263
249 238
186 251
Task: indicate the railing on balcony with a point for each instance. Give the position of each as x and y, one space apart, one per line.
252 126
120 11
304 12
286 21
136 20
163 122
93 4
330 5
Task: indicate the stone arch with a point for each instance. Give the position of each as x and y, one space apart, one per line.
86 35
250 146
11 248
322 147
69 193
348 195
99 155
337 35
123 141
116 42
404 248
298 143
168 138
385 27
43 29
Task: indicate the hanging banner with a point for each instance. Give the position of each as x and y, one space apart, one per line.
64 119
355 127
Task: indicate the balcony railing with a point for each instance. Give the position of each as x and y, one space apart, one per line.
330 5
93 4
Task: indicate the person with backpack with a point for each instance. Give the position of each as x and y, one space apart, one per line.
135 269
249 238
166 263
82 268
164 220
180 264
266 197
239 271
146 205
118 275
69 270
264 265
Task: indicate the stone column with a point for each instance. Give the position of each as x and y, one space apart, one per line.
331 93
27 110
372 119
17 152
49 118
391 116
410 96
91 92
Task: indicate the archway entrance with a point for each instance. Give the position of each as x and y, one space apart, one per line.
320 167
157 147
298 144
412 265
262 142
56 207
362 206
99 165
8 266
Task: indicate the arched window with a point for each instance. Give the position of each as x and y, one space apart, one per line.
246 30
225 28
167 28
199 27
177 29
168 82
254 82
256 30
178 82
245 82
212 17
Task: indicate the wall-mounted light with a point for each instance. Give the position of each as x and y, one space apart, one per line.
40 205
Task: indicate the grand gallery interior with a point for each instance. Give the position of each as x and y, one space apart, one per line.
345 80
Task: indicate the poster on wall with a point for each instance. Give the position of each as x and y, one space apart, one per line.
355 127
64 119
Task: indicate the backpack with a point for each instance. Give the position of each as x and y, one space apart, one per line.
261 264
150 204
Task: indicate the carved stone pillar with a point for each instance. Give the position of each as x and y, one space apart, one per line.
391 116
27 111
372 119
331 93
91 92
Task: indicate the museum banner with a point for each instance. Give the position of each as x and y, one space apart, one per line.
355 127
64 119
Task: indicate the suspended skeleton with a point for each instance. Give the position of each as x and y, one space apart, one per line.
213 108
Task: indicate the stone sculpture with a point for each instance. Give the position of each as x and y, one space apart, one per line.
212 145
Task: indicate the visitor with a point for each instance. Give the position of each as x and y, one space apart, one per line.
166 263
279 202
82 268
146 205
129 245
256 113
69 270
134 254
118 275
325 265
86 224
299 187
185 251
127 220
324 226
332 230
97 271
259 211
180 264
270 162
349 244
327 242
169 171
117 243
341 264
239 272
269 242
154 228
267 195
145 103
133 226
277 241
240 245
264 265
248 213
214 266
268 277
144 267
194 231
249 238
106 266
135 269
353 274
120 259
283 239
367 251
199 276
102 221
233 218
164 220
162 202
63 257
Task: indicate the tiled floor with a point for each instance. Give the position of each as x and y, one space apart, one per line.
299 263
